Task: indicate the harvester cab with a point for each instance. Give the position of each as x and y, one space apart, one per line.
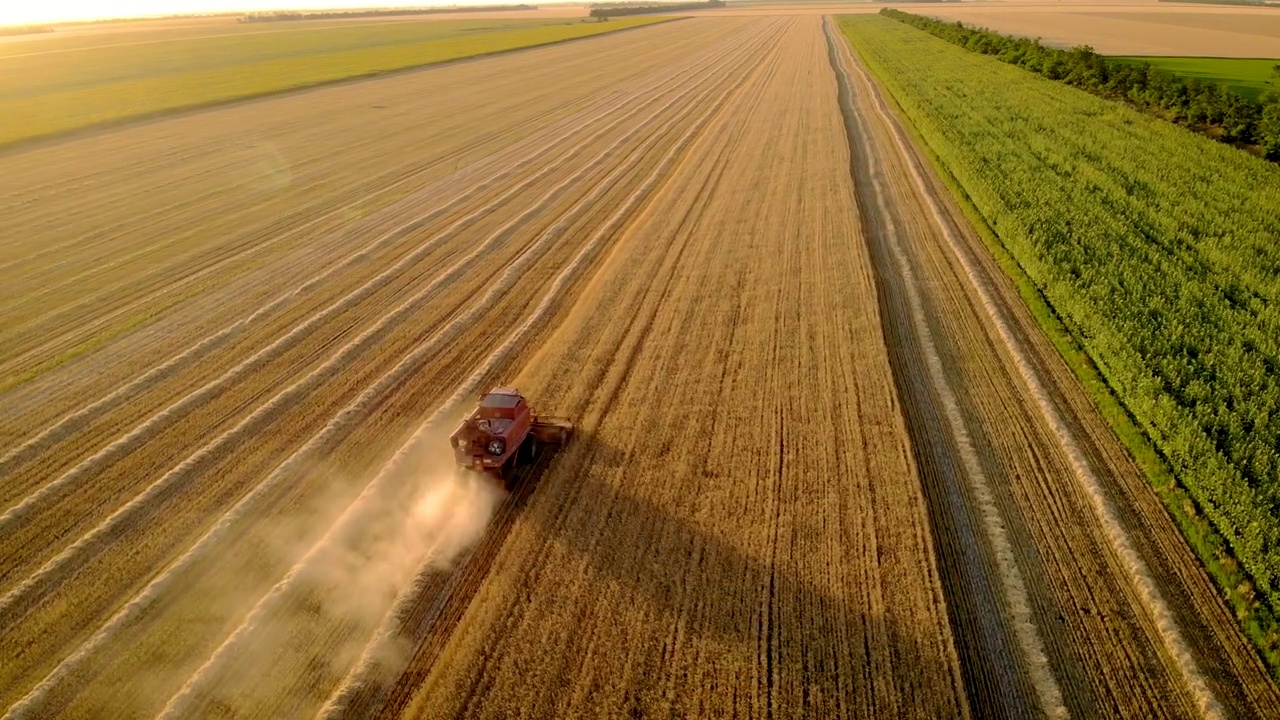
503 432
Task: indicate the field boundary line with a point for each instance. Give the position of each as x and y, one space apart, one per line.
1140 577
1215 561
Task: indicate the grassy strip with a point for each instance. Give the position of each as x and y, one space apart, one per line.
55 94
1250 77
1257 618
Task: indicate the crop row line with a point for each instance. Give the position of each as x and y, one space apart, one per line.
73 421
1012 583
254 246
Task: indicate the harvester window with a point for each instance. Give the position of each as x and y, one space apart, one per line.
500 401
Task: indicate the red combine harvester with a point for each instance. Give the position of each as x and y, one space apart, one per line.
502 432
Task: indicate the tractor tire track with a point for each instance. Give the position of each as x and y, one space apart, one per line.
1016 601
686 557
1117 625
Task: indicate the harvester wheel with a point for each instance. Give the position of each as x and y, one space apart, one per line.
529 449
508 471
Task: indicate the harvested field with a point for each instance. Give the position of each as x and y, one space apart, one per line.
1167 29
825 464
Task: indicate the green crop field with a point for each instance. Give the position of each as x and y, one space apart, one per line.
77 82
1249 77
1155 246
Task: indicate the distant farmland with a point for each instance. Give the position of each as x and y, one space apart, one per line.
95 79
1172 30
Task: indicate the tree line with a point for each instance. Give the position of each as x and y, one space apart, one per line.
1210 108
606 11
25 30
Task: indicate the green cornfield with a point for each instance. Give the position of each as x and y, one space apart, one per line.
1159 249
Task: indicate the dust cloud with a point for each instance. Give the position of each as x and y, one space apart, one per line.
358 573
446 515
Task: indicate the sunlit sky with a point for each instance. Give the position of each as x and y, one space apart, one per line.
26 12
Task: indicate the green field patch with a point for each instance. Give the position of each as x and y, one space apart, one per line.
1149 248
1249 77
47 92
1246 3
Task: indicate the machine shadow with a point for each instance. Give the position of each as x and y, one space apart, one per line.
442 596
813 651
797 650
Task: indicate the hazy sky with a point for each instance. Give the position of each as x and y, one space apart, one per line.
22 12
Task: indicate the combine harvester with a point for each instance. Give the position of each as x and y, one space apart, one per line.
503 432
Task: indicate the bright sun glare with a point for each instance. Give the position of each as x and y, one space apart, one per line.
17 12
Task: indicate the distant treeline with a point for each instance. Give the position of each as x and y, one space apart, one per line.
342 15
149 18
603 11
27 30
1213 109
